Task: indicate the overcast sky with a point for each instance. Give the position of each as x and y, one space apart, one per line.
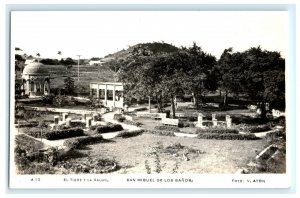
96 34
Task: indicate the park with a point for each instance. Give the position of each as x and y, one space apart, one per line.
153 108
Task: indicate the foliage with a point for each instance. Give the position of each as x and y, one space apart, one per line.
28 144
217 131
68 62
69 85
160 132
257 129
135 123
87 166
167 128
55 134
48 61
227 136
62 134
129 134
75 143
48 99
119 117
108 128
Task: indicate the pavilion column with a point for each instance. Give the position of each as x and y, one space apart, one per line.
45 86
27 87
105 95
97 91
114 95
34 85
48 85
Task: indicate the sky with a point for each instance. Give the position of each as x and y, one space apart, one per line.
99 33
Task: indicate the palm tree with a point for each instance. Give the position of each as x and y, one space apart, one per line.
38 55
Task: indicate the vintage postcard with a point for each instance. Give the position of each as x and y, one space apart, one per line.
149 99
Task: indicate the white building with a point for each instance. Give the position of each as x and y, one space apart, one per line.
36 80
95 62
110 93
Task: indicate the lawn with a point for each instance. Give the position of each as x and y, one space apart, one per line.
190 155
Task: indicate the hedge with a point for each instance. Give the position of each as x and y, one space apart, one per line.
160 132
77 142
36 132
62 134
128 134
167 128
26 124
119 117
217 131
227 136
108 128
134 123
256 129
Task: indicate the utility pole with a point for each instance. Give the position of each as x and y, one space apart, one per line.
78 65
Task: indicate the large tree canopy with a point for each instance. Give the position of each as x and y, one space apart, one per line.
161 74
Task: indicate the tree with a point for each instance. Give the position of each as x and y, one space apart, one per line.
69 85
68 62
38 55
264 78
199 68
260 74
48 61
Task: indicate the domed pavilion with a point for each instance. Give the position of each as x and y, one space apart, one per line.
36 80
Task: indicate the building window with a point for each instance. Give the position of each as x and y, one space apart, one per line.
94 92
110 95
32 86
102 94
119 95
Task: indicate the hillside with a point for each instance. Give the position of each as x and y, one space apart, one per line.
103 73
154 47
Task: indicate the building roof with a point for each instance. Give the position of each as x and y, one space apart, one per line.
35 68
107 83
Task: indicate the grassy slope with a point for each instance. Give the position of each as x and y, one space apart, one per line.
87 74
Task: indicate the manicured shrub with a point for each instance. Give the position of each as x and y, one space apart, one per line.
36 132
217 131
108 128
78 124
227 136
128 134
184 123
62 134
256 129
119 117
167 128
129 122
77 142
23 124
141 109
160 132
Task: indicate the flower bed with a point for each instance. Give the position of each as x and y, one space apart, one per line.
77 142
227 136
217 131
55 134
62 134
167 128
128 134
160 132
134 123
88 165
108 128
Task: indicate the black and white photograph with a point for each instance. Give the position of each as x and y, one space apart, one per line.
149 97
